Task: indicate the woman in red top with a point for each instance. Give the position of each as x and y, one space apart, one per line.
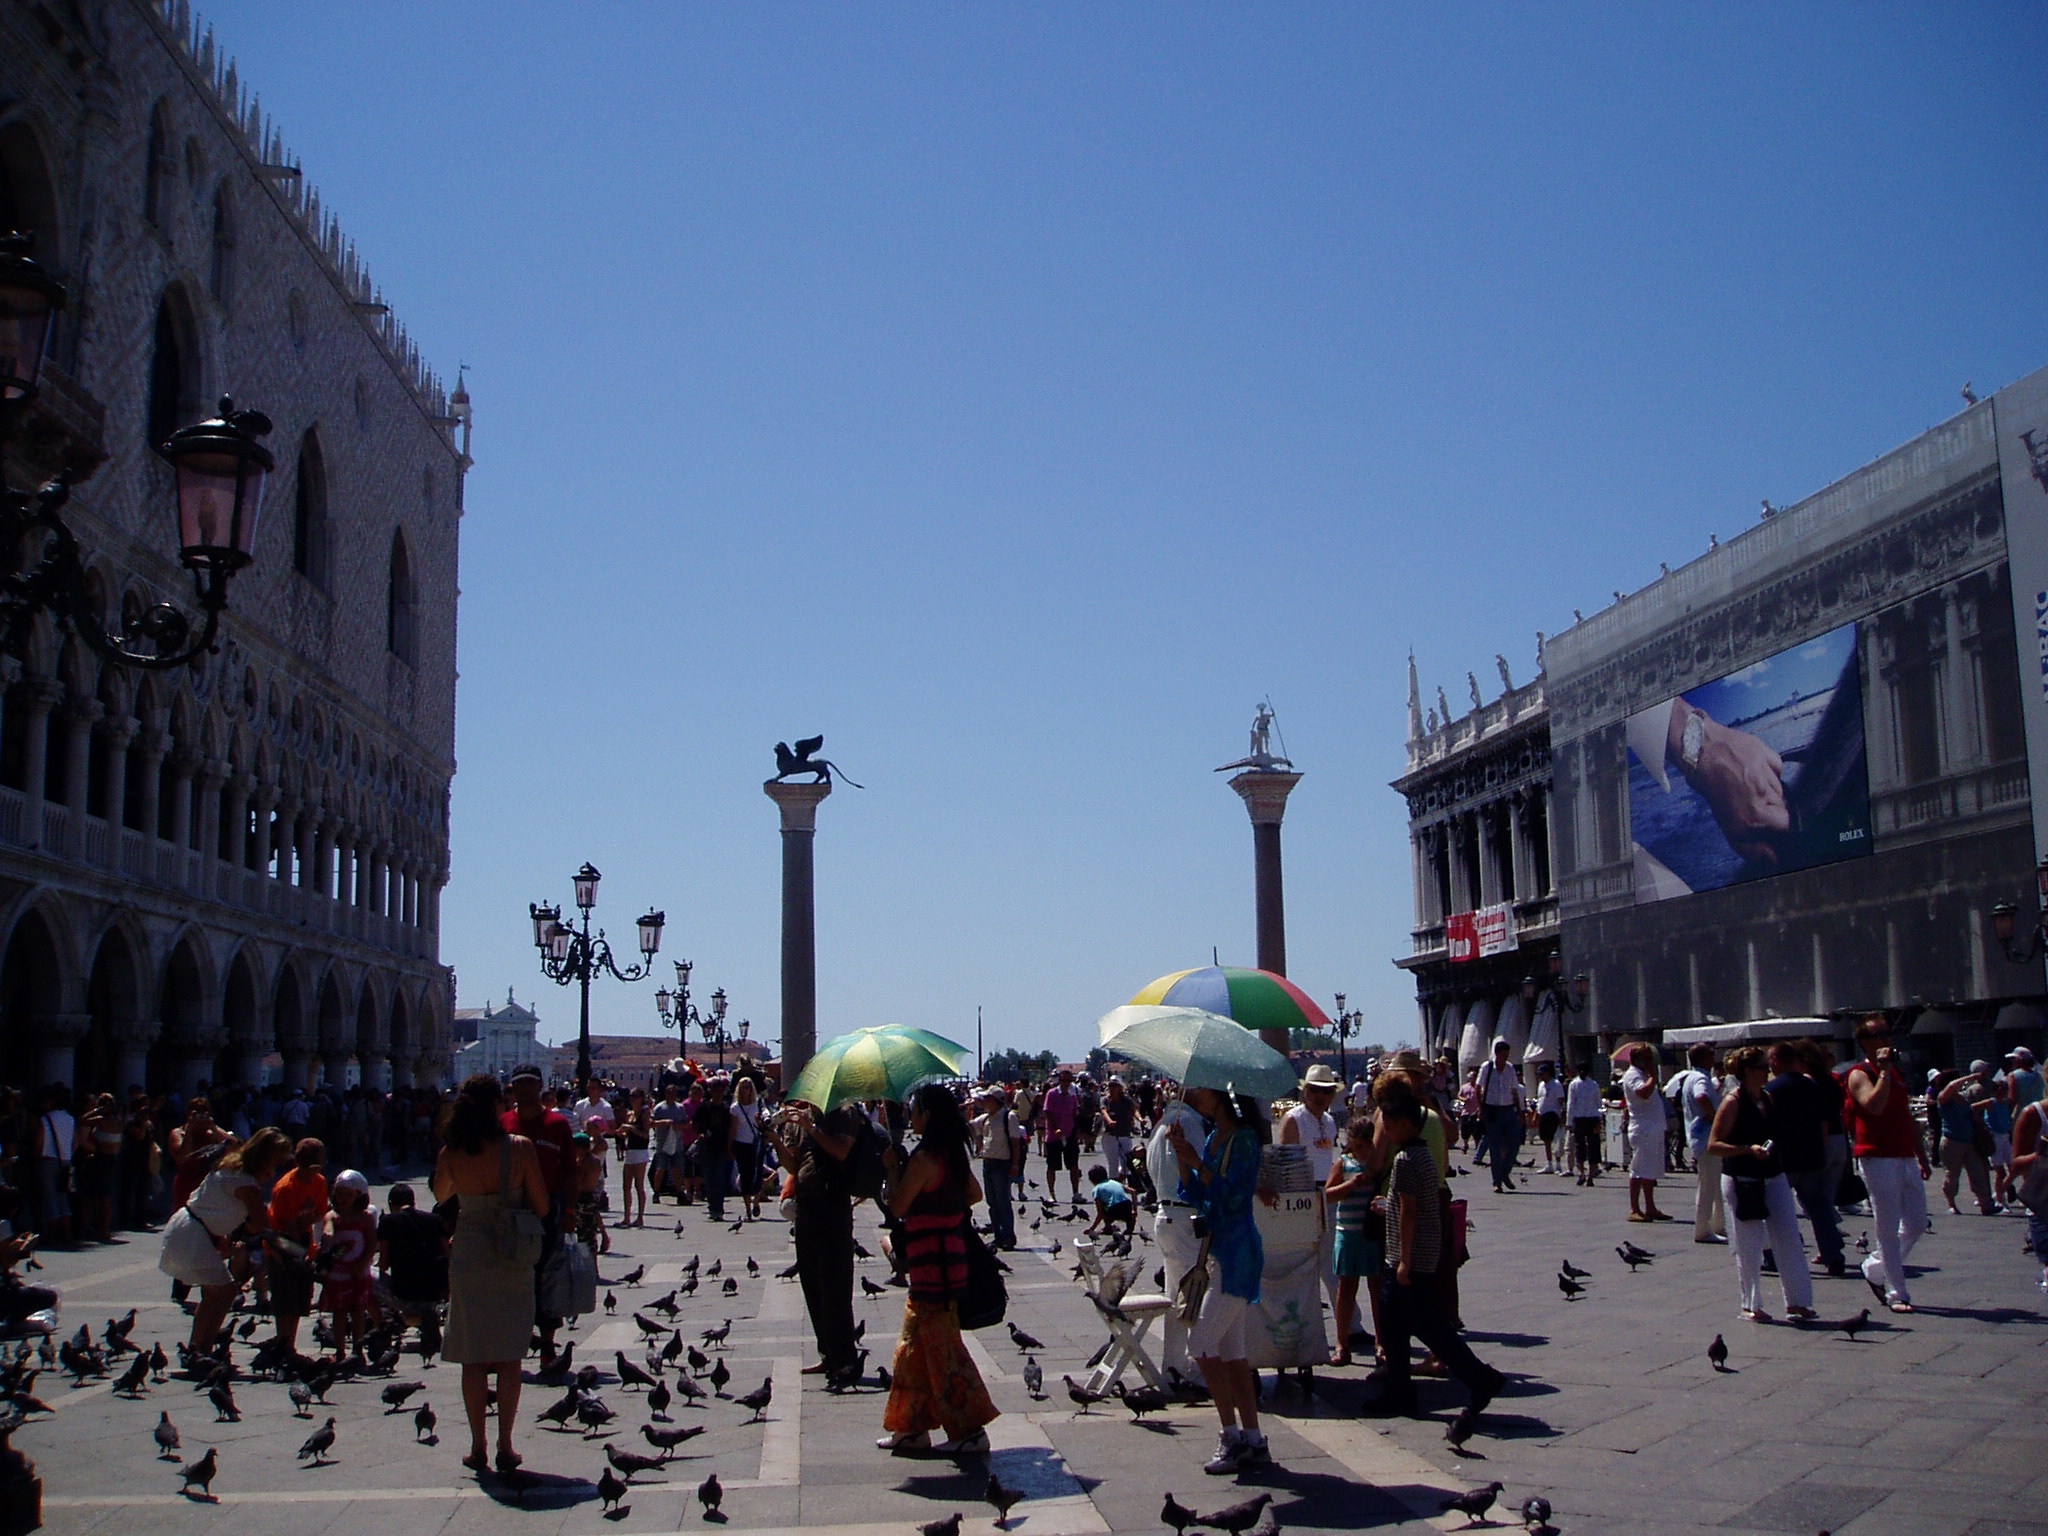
1887 1145
936 1384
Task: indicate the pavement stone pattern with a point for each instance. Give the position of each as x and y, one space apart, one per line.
1928 1425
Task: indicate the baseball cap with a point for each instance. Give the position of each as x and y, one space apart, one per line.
1980 1066
2024 1054
349 1179
526 1070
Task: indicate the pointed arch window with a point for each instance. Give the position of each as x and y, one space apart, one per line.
173 371
309 512
401 623
157 175
221 275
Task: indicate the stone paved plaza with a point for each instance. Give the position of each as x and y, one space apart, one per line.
1928 1425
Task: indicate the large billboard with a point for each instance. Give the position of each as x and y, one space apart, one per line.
1756 773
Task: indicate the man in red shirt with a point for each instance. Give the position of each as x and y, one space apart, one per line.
1887 1145
552 1136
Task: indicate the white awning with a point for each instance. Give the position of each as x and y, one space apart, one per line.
1750 1029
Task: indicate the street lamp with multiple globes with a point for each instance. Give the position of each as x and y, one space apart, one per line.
1346 1025
679 1013
569 953
2022 950
220 466
1570 999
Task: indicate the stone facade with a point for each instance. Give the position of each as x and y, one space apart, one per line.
1479 819
201 867
495 1040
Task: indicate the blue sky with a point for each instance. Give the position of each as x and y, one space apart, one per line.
1018 394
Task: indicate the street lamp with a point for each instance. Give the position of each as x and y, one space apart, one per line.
2003 923
679 1013
1346 1025
1570 999
220 473
569 953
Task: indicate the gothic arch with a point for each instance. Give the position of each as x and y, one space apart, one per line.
248 1038
310 517
177 368
115 1052
401 624
186 1005
38 985
335 1027
28 196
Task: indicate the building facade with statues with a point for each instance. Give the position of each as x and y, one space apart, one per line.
202 867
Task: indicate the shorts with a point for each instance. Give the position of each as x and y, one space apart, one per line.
2001 1149
345 1291
1546 1125
1358 1256
291 1286
1063 1152
1221 1332
1646 1158
667 1162
636 1157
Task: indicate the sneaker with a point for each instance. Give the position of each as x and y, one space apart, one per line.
1256 1453
1229 1454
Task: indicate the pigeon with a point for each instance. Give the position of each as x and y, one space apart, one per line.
302 1400
589 1379
1576 1274
1570 1287
711 1494
629 1462
732 1286
1863 1243
610 1488
666 1440
667 1306
689 1286
593 1413
1475 1504
1141 1400
159 1362
1034 1377
719 1376
560 1413
1000 1498
789 1273
318 1444
423 1422
1460 1429
869 1288
717 1268
695 1358
1177 1515
1023 1340
563 1366
611 1303
394 1396
1536 1512
1081 1394
756 1401
1239 1518
659 1399
222 1396
633 1276
691 1394
716 1337
1633 1259
130 1383
950 1526
753 1265
860 1252
860 1330
166 1438
630 1375
1717 1353
248 1329
738 1226
1854 1325
679 1227
648 1325
200 1473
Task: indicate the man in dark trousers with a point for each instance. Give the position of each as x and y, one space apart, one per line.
1799 1111
551 1134
817 1147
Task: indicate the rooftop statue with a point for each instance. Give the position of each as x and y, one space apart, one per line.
1261 758
802 761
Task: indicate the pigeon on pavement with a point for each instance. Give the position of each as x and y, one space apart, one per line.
1536 1512
1177 1515
1034 1377
629 1462
166 1438
1023 1340
318 1444
1475 1504
756 1402
1570 1287
200 1473
1000 1498
711 1494
423 1422
950 1526
1717 1353
1239 1518
610 1488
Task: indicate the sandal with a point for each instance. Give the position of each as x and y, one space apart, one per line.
1757 1317
1902 1306
905 1440
510 1461
1804 1314
476 1461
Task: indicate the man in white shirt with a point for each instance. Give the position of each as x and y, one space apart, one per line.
1585 1108
1643 1096
999 1134
1699 1095
1547 1099
1500 1111
1173 1224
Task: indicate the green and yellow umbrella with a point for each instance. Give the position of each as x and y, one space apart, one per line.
884 1061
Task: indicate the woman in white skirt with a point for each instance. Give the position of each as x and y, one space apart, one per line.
1762 1212
197 1241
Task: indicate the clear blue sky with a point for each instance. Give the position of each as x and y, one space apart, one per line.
1017 394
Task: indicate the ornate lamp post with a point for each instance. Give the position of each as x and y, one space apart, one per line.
1346 1025
2003 922
1568 999
571 954
679 1013
221 469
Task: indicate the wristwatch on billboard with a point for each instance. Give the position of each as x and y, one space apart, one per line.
1693 740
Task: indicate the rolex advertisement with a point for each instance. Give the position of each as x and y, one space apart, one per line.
1756 773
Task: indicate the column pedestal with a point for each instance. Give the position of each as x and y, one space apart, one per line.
799 806
1265 791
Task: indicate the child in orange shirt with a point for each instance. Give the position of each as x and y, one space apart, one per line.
350 1245
298 1206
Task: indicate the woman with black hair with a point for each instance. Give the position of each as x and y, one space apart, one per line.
497 1177
931 1194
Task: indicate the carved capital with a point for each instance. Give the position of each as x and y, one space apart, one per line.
797 802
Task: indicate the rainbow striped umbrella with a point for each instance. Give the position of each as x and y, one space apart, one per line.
1255 999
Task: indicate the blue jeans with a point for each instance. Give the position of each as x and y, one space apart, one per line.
995 1184
1501 1140
1817 1199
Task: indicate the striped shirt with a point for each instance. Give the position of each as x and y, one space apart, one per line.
1356 1206
1415 1187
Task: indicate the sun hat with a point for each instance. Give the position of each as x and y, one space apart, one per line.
1406 1061
1320 1075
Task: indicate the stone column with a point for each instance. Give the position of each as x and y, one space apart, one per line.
197 1050
132 1039
236 852
39 697
152 744
264 797
1489 859
78 723
298 1066
323 856
1265 792
1518 845
799 806
184 763
302 849
213 773
57 1036
117 735
345 845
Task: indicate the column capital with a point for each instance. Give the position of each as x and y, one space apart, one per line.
134 1033
84 711
185 761
60 1028
120 732
214 771
797 802
42 693
1265 793
152 742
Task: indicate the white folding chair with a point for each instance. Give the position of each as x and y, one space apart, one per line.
1128 1315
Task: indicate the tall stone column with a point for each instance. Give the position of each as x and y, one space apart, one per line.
40 696
115 740
132 1039
1265 792
264 797
78 723
213 773
151 744
184 763
198 1049
236 848
799 806
323 856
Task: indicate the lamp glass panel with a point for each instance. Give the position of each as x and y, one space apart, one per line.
219 498
24 327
